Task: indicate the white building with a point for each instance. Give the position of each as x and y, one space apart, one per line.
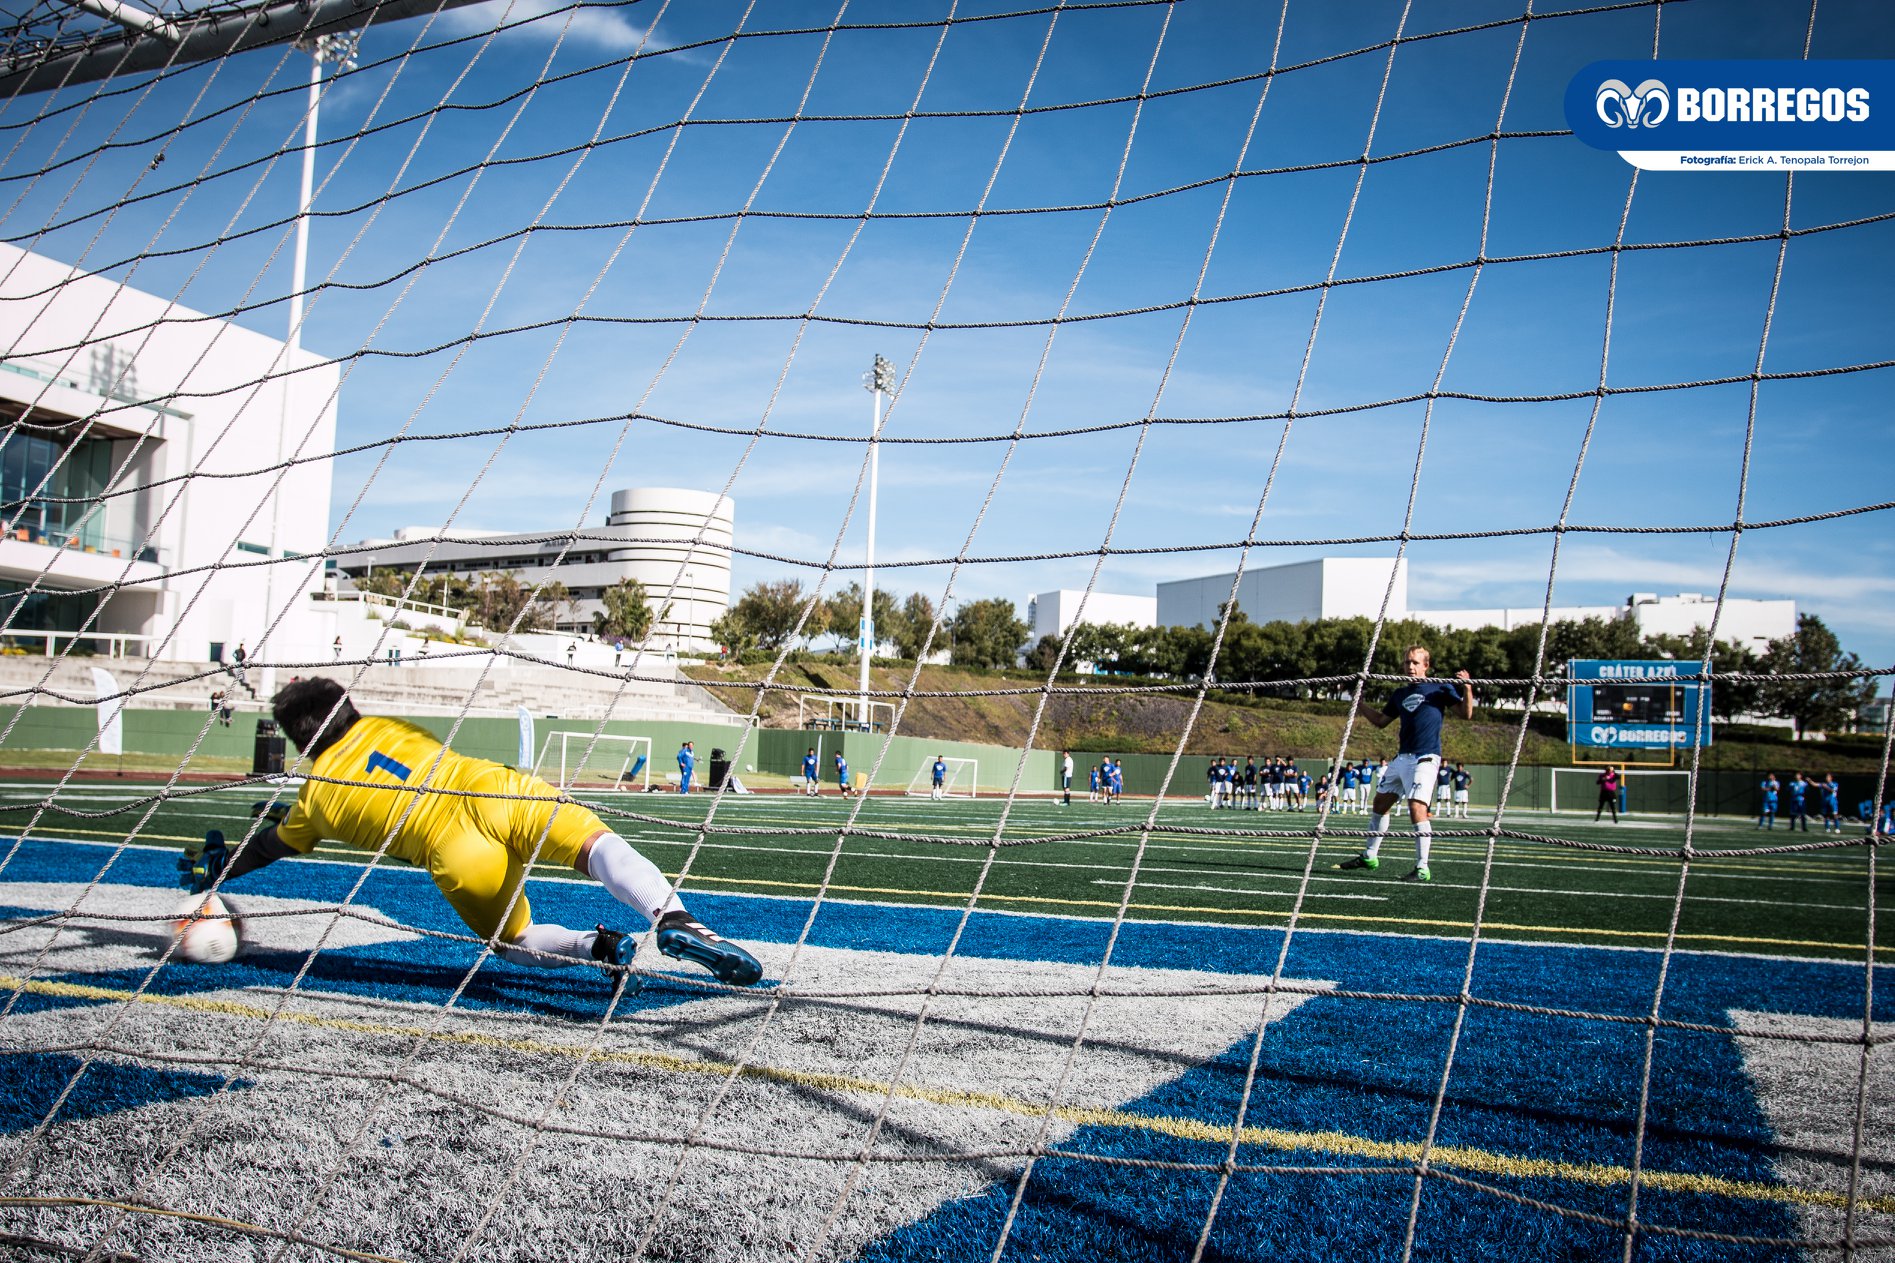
1353 587
120 406
674 541
1743 621
1301 591
1051 613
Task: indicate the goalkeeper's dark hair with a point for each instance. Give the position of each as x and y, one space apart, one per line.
314 713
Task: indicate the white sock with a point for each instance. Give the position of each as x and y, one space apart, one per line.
1424 833
630 878
1378 829
547 946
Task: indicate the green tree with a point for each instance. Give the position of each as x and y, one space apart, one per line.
733 633
987 634
1043 655
911 633
769 612
888 617
845 617
1808 704
627 615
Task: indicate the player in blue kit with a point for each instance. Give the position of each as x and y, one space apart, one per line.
842 774
939 772
1797 792
1420 705
1831 803
1767 808
810 777
687 761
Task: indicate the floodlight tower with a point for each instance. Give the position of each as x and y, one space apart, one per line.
339 49
878 381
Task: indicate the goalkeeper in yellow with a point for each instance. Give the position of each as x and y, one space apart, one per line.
373 776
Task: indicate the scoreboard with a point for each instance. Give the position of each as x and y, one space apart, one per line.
1619 704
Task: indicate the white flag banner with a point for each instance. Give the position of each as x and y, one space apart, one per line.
525 761
111 726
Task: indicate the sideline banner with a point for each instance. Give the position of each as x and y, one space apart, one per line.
111 712
1774 116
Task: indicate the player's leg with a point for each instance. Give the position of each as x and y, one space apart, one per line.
1421 783
1385 800
537 827
482 881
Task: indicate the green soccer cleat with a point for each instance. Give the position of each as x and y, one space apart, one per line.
1415 874
1368 862
681 937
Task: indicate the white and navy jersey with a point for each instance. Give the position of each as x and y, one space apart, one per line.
809 767
1420 707
940 772
1462 779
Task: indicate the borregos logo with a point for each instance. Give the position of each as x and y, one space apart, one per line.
1772 105
1677 115
1618 105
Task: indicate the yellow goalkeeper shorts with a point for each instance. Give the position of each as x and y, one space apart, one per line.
479 855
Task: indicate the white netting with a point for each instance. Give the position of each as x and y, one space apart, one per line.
1170 286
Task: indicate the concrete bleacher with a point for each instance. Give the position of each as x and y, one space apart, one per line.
661 694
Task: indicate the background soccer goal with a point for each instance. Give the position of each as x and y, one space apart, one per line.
960 782
1646 792
595 761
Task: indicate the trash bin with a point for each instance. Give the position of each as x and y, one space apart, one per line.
266 758
720 767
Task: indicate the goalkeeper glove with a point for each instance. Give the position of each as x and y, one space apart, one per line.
198 871
275 813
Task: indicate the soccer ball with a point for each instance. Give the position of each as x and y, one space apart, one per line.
209 930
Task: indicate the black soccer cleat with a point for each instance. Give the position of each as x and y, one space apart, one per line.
199 870
611 948
681 937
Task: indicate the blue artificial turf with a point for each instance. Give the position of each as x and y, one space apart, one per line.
1522 1084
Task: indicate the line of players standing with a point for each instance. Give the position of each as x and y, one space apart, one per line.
1279 785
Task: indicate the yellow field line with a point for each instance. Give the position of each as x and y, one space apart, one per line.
1411 922
1344 1144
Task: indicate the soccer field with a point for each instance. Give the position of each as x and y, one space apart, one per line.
961 1047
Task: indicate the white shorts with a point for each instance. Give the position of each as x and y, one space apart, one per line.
1410 776
1348 793
1460 795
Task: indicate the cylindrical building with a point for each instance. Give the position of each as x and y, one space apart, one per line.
677 543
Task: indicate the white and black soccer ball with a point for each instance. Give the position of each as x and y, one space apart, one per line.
209 930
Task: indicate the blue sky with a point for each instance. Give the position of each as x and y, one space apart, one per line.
431 103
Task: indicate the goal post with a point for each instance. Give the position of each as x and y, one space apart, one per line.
1643 791
959 782
603 761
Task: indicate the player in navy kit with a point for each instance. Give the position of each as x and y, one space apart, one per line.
1419 706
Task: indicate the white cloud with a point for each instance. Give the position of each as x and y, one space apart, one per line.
546 20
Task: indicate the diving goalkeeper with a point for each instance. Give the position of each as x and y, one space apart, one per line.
373 775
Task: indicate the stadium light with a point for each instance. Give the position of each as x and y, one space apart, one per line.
339 49
878 381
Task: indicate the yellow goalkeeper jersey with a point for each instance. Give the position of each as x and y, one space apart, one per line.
387 761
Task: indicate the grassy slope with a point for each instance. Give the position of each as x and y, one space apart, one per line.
1149 722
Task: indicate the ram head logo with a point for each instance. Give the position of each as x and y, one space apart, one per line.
1643 106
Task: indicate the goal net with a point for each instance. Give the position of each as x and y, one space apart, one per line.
957 781
1643 792
1237 348
595 761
